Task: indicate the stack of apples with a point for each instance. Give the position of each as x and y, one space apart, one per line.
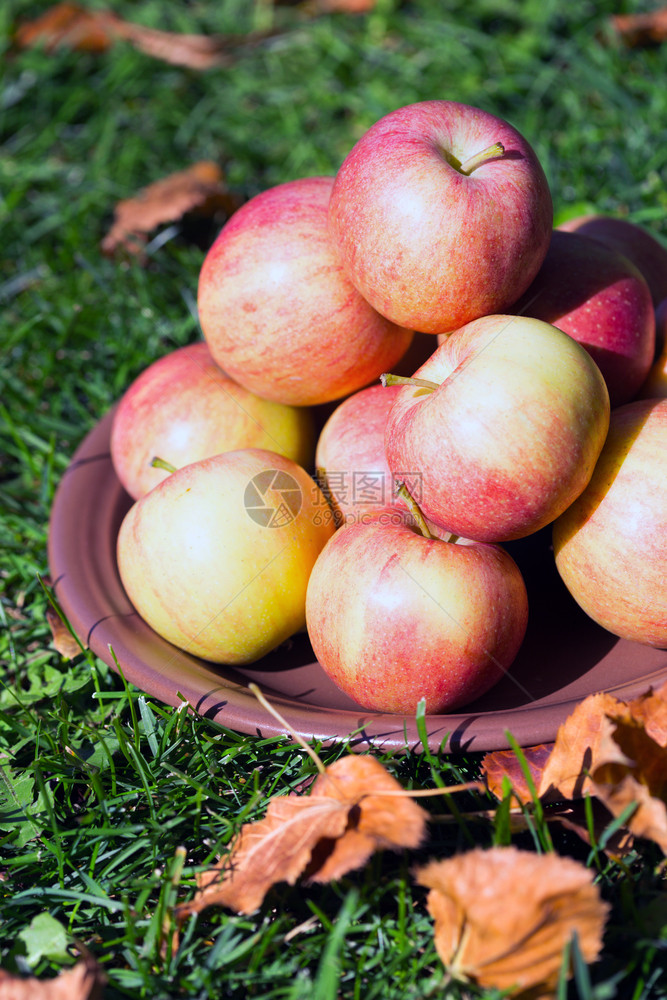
303 484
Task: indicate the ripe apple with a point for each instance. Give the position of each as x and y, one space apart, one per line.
216 558
441 213
597 296
183 408
504 430
647 254
350 457
611 544
276 309
394 616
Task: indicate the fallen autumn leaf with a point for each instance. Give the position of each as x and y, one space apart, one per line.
503 916
200 188
63 640
335 829
499 765
614 750
84 981
642 29
630 767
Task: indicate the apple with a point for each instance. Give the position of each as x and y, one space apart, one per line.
611 544
655 384
440 213
350 457
183 408
276 309
504 429
647 254
394 616
216 558
597 296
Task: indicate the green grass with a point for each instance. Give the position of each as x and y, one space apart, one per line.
108 799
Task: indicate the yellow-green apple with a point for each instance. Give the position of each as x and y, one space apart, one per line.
216 558
183 408
611 544
629 238
504 429
276 309
655 384
394 616
597 296
441 213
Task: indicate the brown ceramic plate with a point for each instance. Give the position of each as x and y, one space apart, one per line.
565 656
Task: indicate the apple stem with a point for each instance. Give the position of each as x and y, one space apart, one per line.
403 492
389 379
162 463
490 153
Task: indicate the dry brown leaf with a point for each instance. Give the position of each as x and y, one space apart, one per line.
642 29
63 640
503 916
375 821
194 51
322 836
575 748
199 189
650 710
69 25
630 769
84 981
501 764
616 751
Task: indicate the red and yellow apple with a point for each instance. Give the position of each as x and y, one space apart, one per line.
441 213
611 543
183 408
505 429
629 238
599 298
394 617
277 310
350 456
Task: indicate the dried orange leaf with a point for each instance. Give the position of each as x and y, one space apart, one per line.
503 916
630 769
73 26
69 25
650 710
84 981
198 189
375 821
194 51
642 29
333 830
63 640
501 764
575 748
